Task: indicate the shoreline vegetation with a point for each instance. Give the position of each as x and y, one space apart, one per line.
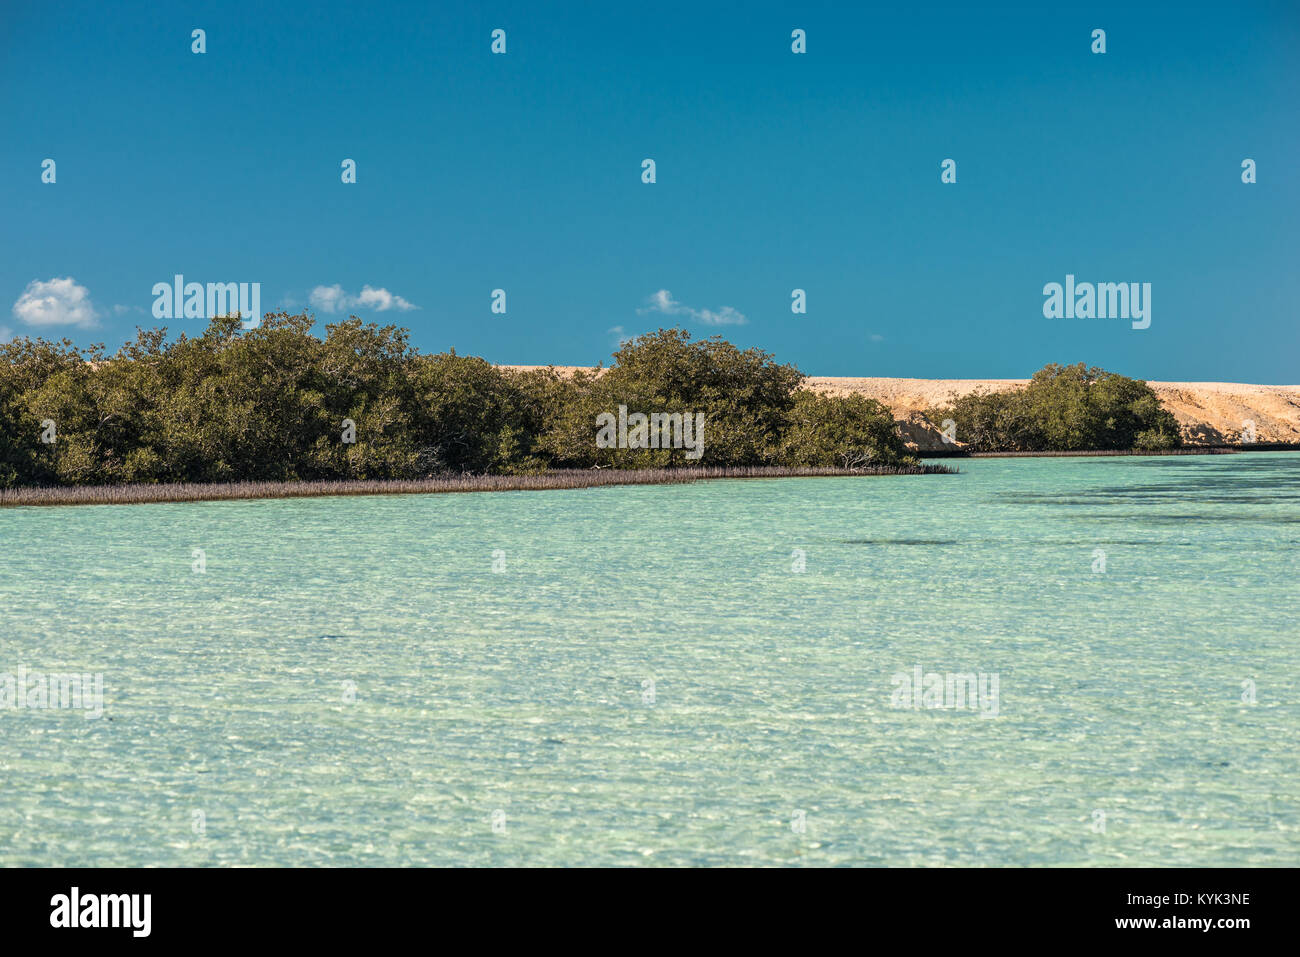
547 481
280 411
165 493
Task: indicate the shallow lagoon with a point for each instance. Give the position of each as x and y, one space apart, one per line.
231 732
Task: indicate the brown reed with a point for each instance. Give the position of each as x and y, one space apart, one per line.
545 481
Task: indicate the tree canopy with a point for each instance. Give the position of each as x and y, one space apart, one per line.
1064 409
280 403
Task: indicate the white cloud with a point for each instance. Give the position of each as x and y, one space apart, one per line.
381 300
663 301
6 333
328 298
619 333
335 299
56 302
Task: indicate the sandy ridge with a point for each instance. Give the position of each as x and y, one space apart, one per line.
1209 413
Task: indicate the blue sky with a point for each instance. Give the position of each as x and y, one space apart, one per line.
775 171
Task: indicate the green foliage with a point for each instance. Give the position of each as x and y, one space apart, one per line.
470 417
744 396
1064 409
16 433
848 432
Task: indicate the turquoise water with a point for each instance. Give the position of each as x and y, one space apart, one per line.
1121 736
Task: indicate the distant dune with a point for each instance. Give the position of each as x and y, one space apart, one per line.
1210 413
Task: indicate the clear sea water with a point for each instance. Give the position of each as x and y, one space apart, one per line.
1123 735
